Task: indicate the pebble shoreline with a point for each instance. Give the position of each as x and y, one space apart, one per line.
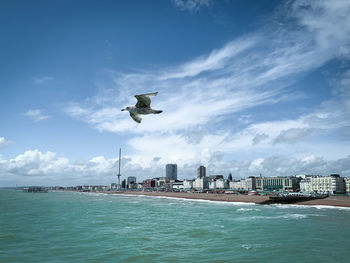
340 201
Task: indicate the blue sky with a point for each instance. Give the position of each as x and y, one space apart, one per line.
246 87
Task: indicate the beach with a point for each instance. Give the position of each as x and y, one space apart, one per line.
339 201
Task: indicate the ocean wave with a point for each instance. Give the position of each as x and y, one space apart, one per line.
250 246
284 216
293 216
286 206
329 207
243 209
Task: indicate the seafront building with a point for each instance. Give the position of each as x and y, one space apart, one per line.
177 186
149 183
218 184
250 183
221 183
188 184
286 183
113 186
171 171
347 185
305 185
131 182
332 184
161 182
247 184
237 185
201 182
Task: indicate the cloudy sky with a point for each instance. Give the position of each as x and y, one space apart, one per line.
247 87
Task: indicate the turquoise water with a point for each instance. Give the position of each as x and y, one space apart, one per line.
77 227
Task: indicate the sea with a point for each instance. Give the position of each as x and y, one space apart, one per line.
87 227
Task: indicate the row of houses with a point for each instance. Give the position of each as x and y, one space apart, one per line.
251 183
332 184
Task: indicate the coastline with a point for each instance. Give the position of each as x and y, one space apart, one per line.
334 201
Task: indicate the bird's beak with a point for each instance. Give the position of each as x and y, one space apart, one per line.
123 109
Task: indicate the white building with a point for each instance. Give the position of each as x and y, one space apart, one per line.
217 182
200 183
250 183
212 185
333 184
347 185
188 184
243 184
305 185
221 184
177 186
237 185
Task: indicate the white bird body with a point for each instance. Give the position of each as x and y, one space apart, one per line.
142 107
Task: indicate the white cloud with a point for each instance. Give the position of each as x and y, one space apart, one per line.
216 60
293 135
34 167
42 80
260 137
191 5
3 142
36 115
328 21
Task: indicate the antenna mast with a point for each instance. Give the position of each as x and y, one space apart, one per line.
120 153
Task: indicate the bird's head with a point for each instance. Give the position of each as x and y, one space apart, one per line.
127 108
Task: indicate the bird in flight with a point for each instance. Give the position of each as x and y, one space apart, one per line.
143 106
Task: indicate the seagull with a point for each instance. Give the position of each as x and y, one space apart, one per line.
143 106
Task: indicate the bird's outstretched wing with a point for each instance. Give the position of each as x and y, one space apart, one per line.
135 117
143 100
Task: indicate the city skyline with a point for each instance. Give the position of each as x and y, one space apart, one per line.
245 88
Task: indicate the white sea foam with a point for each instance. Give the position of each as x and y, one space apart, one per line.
91 193
285 206
243 209
329 207
293 216
284 216
246 246
250 246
